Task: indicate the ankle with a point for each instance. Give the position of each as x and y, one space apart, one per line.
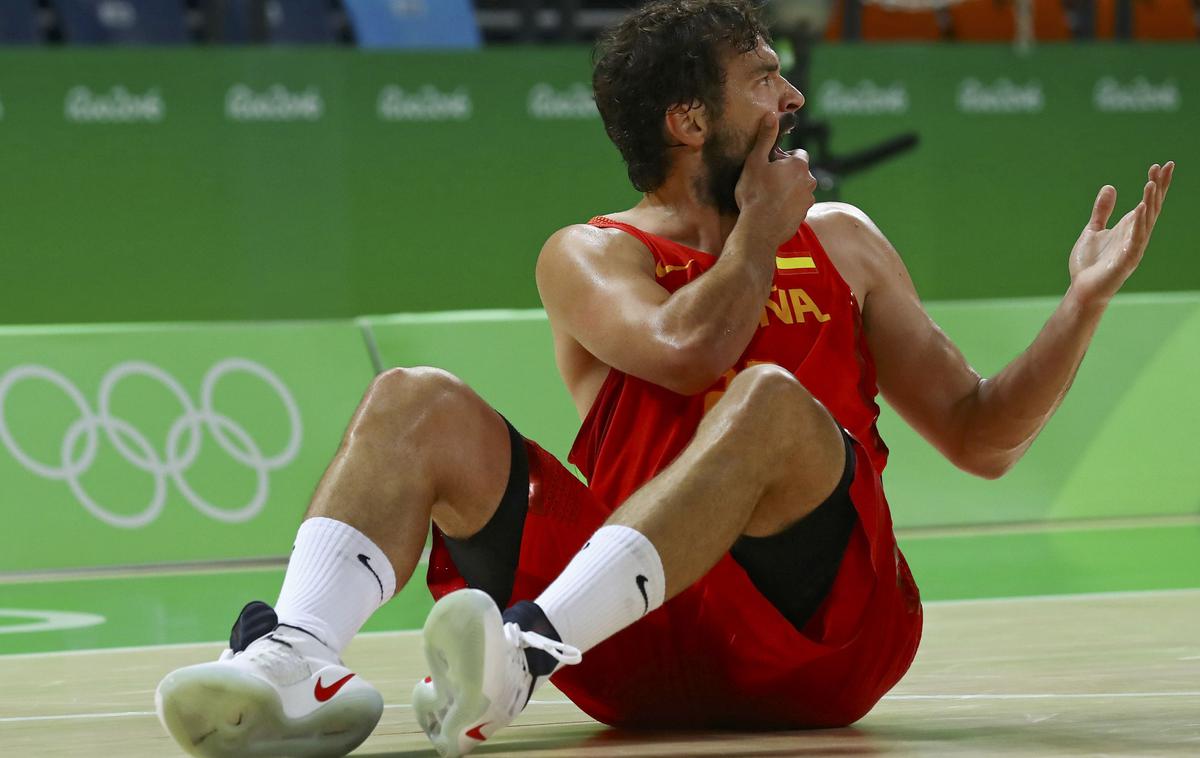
530 618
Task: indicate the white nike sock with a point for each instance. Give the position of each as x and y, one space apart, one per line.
612 582
336 578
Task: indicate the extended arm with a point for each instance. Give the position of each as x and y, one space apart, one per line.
981 425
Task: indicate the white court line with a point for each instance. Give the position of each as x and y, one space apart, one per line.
145 714
1043 696
219 644
1059 598
47 621
996 696
906 534
76 717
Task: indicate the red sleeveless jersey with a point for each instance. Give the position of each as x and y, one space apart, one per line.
810 326
718 654
866 632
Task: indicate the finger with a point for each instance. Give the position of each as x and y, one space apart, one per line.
768 132
1128 250
1141 231
1103 208
1153 199
1164 183
800 154
1154 175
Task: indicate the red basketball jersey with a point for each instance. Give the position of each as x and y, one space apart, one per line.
810 326
717 654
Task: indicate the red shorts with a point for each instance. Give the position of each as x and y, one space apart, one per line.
719 655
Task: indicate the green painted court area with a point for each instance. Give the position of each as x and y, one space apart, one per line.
169 608
162 538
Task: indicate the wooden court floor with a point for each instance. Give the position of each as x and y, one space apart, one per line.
1079 675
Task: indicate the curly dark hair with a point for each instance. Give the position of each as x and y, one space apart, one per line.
666 53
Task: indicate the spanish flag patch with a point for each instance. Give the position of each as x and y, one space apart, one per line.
791 262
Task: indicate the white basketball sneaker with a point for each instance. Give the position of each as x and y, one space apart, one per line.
480 672
286 694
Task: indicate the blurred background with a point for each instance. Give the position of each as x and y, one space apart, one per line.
220 218
282 159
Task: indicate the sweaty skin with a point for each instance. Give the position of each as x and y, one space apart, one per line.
607 310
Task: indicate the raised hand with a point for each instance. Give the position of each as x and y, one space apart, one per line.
1103 258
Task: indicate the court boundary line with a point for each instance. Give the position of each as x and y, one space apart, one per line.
144 714
1115 595
903 534
1045 695
889 697
219 566
1112 595
1052 526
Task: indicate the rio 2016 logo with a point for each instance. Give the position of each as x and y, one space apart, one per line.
82 439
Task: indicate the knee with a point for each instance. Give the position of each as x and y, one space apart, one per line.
769 403
407 395
770 396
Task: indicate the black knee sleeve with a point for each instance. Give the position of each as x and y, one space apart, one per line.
795 569
488 559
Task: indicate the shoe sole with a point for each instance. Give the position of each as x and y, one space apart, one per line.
455 645
229 713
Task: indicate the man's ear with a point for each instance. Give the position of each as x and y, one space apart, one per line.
686 125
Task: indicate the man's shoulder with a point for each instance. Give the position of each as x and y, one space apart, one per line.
838 218
846 230
583 241
582 248
854 243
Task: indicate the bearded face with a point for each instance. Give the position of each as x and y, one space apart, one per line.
724 154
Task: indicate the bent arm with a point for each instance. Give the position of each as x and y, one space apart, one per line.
599 285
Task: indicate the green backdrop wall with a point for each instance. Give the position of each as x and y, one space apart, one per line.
264 184
155 444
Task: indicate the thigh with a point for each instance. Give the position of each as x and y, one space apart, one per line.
795 568
487 559
722 655
544 517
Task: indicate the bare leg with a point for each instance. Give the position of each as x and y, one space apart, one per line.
764 457
422 444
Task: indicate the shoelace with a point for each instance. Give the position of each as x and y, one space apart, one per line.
276 659
560 651
279 660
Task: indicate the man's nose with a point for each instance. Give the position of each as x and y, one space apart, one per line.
793 99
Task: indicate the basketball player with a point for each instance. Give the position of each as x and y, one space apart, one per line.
731 562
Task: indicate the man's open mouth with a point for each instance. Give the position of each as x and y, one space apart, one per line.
787 122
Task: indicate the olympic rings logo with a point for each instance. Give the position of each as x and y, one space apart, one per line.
184 439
